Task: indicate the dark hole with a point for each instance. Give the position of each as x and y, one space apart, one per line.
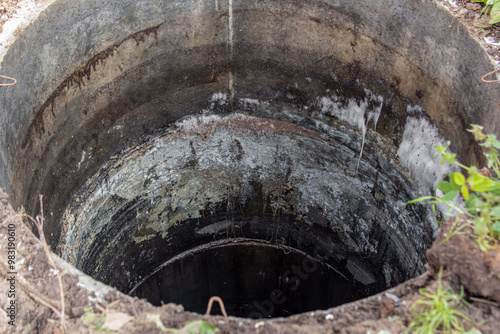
254 279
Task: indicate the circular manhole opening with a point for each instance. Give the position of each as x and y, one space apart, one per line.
187 149
170 219
254 279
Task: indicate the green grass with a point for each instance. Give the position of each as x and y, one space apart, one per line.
193 327
437 311
495 9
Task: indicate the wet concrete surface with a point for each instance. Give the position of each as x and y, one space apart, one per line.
225 177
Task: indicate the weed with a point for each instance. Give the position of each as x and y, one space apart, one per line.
194 327
198 327
495 9
480 191
438 311
92 319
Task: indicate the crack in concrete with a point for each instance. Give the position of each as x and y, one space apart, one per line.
230 42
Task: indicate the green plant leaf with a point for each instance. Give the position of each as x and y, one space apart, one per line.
483 186
495 212
472 203
482 203
445 186
476 179
449 196
199 327
459 178
495 17
465 191
420 199
89 316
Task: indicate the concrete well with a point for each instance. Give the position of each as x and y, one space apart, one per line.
165 134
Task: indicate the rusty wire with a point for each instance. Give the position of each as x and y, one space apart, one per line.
488 74
221 304
8 84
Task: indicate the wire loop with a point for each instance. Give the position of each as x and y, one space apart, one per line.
488 74
8 84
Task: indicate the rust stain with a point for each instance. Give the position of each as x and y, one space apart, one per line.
37 126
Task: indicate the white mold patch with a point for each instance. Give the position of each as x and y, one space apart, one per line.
417 153
354 112
220 98
248 101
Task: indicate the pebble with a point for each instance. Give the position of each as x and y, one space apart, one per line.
473 6
261 323
394 298
462 12
482 22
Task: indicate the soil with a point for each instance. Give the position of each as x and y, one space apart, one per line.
7 10
38 295
471 14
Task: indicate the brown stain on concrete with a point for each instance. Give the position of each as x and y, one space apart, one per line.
37 126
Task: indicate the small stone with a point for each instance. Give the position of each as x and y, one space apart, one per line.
388 309
482 22
473 6
78 311
394 298
116 320
462 12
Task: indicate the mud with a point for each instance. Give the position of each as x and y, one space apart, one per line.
469 266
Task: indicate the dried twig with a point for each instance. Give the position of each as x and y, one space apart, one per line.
221 304
34 293
8 84
44 303
39 222
488 74
480 300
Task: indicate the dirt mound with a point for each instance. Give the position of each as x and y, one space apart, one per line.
478 271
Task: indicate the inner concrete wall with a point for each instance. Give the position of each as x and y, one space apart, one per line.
88 68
